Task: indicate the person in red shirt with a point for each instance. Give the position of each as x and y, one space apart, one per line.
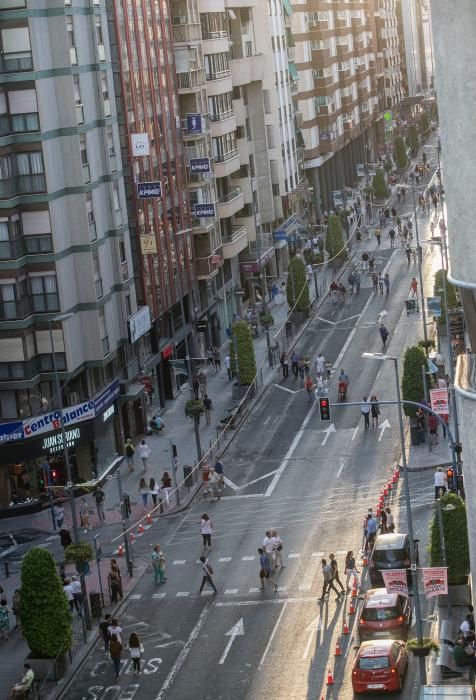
433 428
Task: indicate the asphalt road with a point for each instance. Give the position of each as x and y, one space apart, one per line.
285 470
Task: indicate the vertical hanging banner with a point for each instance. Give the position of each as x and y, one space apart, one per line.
140 144
395 581
435 581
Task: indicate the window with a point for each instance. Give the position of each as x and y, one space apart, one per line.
91 220
8 304
116 204
77 100
103 333
216 66
220 106
248 48
99 38
15 50
105 94
224 147
84 158
111 147
73 55
97 274
44 294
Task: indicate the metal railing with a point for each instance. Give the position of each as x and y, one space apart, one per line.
22 184
186 32
222 116
223 157
230 196
191 80
236 234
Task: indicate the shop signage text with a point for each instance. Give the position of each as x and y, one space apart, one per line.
108 413
54 443
11 431
140 144
149 190
205 210
139 323
200 165
194 123
106 397
51 421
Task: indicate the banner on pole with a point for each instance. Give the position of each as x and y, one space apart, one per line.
395 581
435 581
439 401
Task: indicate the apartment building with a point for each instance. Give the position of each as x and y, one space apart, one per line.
411 18
65 260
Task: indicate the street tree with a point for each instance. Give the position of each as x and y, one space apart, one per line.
379 185
243 361
412 380
401 157
455 531
413 139
335 244
297 289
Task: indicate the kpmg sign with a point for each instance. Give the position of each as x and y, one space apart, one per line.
200 165
206 210
149 190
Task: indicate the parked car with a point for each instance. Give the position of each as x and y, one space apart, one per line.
384 614
380 665
390 551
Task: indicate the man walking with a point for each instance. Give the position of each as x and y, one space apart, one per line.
129 450
386 281
228 367
99 498
365 410
207 575
158 564
268 547
383 333
58 512
335 570
144 454
328 582
207 404
214 481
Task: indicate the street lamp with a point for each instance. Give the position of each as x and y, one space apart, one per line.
61 318
419 630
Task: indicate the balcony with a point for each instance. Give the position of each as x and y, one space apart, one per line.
221 124
230 203
263 242
215 42
19 123
247 70
234 244
227 163
189 82
218 83
347 101
208 267
185 33
21 308
200 226
291 53
16 62
22 184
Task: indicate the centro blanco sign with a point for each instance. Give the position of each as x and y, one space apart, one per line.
51 421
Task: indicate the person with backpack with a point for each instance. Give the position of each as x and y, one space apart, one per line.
99 498
207 575
383 333
207 404
129 450
104 632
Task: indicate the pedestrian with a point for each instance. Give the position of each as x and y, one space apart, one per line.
375 281
202 381
58 512
380 284
206 528
228 367
69 594
320 365
335 570
383 522
135 650
207 572
158 564
84 515
386 281
195 385
295 364
114 583
374 410
16 606
365 410
76 590
309 386
144 454
268 548
370 532
99 498
214 481
205 468
265 570
390 520
155 492
301 366
22 689
115 652
217 359
277 549
408 253
144 492
433 428
413 287
378 235
357 281
383 333
115 629
129 450
351 570
104 632
328 582
207 404
391 235
65 538
219 469
283 361
371 262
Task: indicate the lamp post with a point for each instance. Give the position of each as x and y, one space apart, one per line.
67 465
418 620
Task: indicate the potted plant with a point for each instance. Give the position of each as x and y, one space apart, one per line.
79 554
428 645
426 343
243 362
412 380
297 289
413 139
266 320
45 618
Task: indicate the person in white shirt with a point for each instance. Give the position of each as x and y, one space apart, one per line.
365 410
268 546
465 626
277 549
320 365
228 366
115 629
22 689
69 595
144 454
441 482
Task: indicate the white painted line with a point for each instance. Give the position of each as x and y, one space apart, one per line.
185 652
207 592
254 590
182 594
260 478
354 433
243 495
237 630
284 388
349 647
267 420
312 628
231 591
305 586
317 554
282 589
179 561
341 552
275 629
294 555
311 571
247 558
135 596
224 559
158 596
328 431
340 470
230 484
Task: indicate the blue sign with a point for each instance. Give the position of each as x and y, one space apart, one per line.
200 165
149 190
194 123
287 231
206 210
106 397
11 431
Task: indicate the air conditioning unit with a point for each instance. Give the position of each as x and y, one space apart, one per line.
179 19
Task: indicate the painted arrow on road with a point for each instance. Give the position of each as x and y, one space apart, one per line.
330 429
383 428
312 628
382 315
237 630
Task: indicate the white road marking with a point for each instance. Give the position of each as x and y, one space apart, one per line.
158 596
237 630
267 420
340 470
317 554
135 596
254 590
275 629
182 594
260 478
285 388
247 558
282 589
312 628
242 495
328 431
354 434
207 592
294 555
230 484
341 552
349 647
311 571
383 428
231 591
224 559
185 652
178 562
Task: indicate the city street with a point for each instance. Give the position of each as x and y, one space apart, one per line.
312 481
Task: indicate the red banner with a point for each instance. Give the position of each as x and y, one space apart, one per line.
395 581
435 581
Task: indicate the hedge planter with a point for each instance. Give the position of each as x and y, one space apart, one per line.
48 669
424 649
458 594
239 391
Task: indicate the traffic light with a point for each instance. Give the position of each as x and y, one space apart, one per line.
324 408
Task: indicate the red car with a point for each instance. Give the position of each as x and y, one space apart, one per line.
384 615
380 665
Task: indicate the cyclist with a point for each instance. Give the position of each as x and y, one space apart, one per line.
441 483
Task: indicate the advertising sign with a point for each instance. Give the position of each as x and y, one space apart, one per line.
435 581
360 168
46 422
205 210
434 306
194 123
216 260
139 323
148 245
140 144
439 401
337 198
11 431
106 397
200 165
149 190
395 581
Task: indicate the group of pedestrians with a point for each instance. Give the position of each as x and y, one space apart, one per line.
370 409
110 633
270 558
330 573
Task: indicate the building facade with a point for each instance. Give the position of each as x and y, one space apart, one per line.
65 257
411 18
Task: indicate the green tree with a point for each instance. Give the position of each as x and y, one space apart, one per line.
297 289
424 124
379 185
455 530
245 351
335 244
412 380
440 278
388 165
413 139
401 157
45 617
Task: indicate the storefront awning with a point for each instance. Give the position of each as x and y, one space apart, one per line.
133 392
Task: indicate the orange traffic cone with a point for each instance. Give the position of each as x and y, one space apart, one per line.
385 492
120 550
389 485
330 678
394 479
149 519
365 561
140 529
354 591
378 511
338 651
397 472
351 609
345 628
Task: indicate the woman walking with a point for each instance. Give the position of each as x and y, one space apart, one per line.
84 515
144 454
144 492
350 570
265 570
277 549
206 527
136 650
154 489
115 651
374 410
4 619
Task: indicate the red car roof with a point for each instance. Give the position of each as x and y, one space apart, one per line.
378 597
376 647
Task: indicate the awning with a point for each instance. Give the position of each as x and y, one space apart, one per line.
293 71
287 8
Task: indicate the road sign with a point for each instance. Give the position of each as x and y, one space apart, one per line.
237 630
324 408
439 401
149 190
